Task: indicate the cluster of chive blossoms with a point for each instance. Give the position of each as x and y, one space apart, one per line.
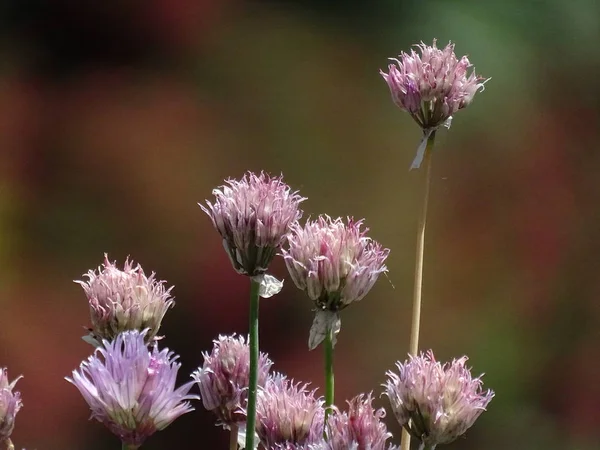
129 383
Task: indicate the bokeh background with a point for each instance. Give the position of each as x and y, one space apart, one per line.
116 118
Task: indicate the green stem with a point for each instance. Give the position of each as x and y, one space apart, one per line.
125 446
329 378
418 287
233 437
253 378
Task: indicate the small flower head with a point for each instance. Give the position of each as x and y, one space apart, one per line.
124 300
131 389
436 403
360 428
432 86
334 262
223 379
288 414
253 216
10 404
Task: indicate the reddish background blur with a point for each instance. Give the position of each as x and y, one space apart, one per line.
116 118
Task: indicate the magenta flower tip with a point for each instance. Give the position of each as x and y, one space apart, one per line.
361 428
288 415
131 389
253 216
123 300
433 85
10 404
436 403
224 378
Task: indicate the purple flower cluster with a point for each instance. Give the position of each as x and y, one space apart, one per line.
288 415
10 404
432 86
436 403
253 216
223 379
131 389
361 428
123 300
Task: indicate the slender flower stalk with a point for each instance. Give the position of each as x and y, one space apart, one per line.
435 403
254 354
431 86
253 217
329 376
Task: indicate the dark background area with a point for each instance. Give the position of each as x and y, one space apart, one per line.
116 118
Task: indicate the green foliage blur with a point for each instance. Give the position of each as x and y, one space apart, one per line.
117 118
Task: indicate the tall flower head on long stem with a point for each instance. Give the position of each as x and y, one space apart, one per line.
131 389
431 86
223 379
253 216
288 415
335 263
10 404
361 427
123 300
436 403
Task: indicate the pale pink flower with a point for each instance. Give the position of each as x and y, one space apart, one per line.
436 403
432 86
123 300
224 377
288 415
253 216
361 428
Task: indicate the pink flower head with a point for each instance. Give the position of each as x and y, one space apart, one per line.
131 389
361 428
288 415
223 379
10 404
335 264
253 216
432 86
436 403
124 300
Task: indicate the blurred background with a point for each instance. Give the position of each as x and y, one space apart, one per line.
117 118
